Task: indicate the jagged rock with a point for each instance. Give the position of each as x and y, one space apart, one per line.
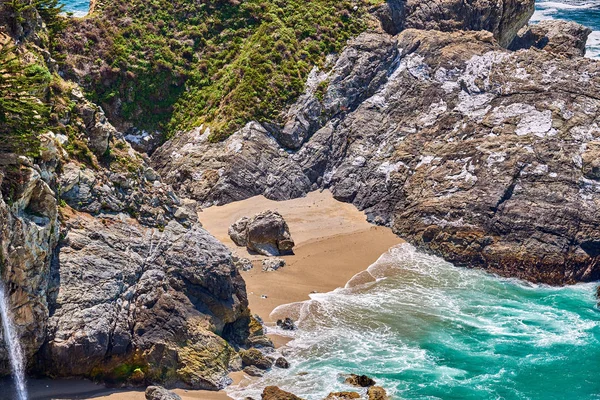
480 155
266 233
503 18
125 293
272 264
274 393
342 396
256 358
555 36
254 371
286 324
160 393
238 231
359 380
208 172
282 363
377 393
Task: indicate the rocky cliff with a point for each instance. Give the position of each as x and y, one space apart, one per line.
476 153
109 273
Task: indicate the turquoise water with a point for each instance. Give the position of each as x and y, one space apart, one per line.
79 8
429 330
585 12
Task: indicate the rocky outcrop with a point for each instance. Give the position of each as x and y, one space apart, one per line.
559 37
156 299
377 393
160 393
235 169
503 18
266 233
274 393
29 230
254 357
342 396
359 380
477 154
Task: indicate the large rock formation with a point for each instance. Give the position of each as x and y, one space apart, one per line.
480 155
503 18
559 37
157 299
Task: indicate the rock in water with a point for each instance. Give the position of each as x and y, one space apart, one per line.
377 393
359 380
254 357
274 393
560 37
266 233
286 324
272 264
254 371
282 363
160 393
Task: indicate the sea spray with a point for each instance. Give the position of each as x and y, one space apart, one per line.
425 329
13 345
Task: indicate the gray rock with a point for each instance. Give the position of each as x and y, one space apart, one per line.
242 263
160 393
254 357
254 371
272 264
501 17
205 171
282 363
560 37
266 233
163 296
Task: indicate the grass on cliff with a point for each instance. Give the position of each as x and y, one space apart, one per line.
171 65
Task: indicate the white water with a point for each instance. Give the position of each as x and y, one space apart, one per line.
11 340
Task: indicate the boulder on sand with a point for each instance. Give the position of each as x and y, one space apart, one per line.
274 393
272 264
266 233
160 393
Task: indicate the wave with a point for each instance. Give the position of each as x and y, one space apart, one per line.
426 329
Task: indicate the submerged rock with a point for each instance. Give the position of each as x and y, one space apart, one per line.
160 393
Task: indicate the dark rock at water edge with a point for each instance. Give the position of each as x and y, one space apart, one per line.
286 324
160 393
281 362
274 393
254 357
359 380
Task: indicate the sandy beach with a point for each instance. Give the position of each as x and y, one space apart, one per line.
334 242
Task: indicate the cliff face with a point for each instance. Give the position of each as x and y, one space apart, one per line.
109 273
483 156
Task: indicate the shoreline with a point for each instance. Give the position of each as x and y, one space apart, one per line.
334 243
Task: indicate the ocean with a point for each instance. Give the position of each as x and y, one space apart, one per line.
429 330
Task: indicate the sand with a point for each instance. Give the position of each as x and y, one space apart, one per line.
334 242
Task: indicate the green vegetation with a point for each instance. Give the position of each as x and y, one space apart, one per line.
23 112
175 64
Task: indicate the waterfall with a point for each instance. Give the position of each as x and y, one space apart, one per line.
11 341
